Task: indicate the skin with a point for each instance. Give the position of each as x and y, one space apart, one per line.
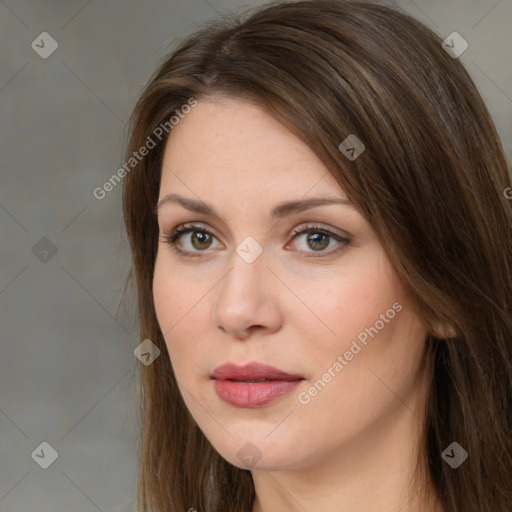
354 445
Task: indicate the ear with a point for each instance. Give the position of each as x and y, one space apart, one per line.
444 330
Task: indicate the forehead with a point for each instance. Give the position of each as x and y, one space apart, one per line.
232 142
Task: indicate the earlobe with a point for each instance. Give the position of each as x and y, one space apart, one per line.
443 330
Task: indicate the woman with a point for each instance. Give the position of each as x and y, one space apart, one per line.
322 250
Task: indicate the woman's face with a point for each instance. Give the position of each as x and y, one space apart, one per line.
247 283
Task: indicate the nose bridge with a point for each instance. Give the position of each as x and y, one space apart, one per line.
243 299
245 280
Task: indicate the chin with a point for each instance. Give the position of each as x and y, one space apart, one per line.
260 456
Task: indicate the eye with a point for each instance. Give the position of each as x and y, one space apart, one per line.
193 239
190 238
317 239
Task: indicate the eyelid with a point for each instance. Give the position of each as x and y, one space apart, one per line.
315 226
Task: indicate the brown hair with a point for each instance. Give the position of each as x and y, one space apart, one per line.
430 182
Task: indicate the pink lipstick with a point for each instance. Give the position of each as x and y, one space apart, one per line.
252 385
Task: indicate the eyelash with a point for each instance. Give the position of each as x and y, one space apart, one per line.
172 238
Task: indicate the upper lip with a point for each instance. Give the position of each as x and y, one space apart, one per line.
251 371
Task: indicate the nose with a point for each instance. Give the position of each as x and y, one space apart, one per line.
247 299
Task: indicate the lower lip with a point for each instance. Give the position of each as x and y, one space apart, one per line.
253 394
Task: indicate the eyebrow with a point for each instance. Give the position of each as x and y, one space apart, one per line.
279 211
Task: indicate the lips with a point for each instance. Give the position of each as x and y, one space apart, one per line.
252 385
252 372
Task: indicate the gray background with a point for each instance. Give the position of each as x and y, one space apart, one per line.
67 368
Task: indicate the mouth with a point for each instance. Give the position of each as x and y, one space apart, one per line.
252 372
252 385
259 380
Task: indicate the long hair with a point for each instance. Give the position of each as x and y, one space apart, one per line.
431 182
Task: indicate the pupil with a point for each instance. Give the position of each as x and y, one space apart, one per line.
317 240
202 239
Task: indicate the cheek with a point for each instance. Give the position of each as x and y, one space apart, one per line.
171 298
346 303
163 297
181 311
174 295
370 382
